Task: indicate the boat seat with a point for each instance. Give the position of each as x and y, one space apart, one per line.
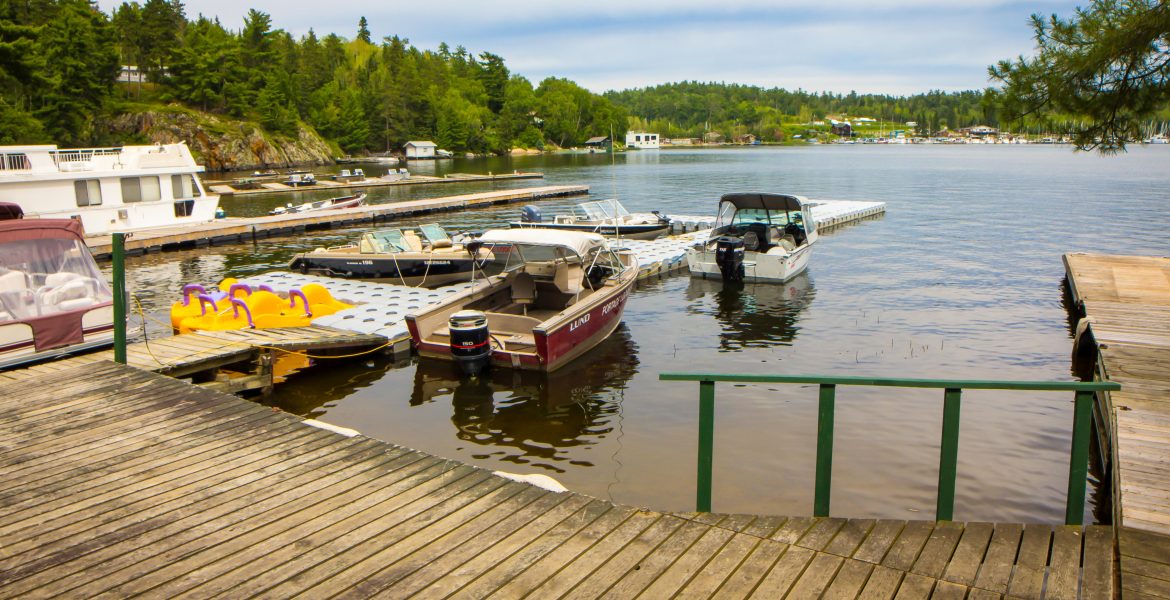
524 290
14 281
507 323
751 241
412 241
568 277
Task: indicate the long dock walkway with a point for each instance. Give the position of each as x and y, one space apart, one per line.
225 188
232 230
1125 304
206 357
116 482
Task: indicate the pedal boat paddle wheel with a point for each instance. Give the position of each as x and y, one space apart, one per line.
559 294
757 237
53 298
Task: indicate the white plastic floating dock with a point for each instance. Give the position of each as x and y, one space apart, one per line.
382 307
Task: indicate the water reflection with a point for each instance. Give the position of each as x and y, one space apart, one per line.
536 418
753 315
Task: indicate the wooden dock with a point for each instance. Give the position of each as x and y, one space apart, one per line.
224 188
231 231
117 482
1125 326
229 361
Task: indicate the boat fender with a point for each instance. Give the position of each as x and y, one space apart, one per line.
530 214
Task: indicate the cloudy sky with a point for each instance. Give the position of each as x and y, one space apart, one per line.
881 46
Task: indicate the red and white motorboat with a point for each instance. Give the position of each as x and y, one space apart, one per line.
560 293
53 298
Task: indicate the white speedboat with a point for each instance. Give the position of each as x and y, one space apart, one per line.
350 201
109 189
757 237
53 298
607 217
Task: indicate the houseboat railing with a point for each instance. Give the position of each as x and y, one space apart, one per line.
81 155
949 453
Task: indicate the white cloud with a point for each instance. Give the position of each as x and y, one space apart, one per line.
893 46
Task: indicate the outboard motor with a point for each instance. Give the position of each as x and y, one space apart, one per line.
729 257
661 217
470 342
530 214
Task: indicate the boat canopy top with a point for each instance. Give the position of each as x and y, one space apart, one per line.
38 229
770 202
577 242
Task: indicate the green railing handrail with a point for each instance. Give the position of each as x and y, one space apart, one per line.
949 450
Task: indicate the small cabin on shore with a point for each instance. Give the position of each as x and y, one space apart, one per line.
642 140
599 143
421 149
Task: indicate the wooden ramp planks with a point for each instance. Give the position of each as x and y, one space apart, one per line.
1126 306
182 355
117 482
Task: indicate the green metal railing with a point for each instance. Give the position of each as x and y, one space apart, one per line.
120 299
949 454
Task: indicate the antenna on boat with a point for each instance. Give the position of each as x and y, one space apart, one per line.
617 228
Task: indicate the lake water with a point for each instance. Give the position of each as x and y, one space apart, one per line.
962 278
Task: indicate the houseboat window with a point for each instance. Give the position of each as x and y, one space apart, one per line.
184 208
89 192
140 189
183 186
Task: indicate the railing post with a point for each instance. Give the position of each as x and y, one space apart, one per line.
1078 462
706 445
948 455
119 256
824 482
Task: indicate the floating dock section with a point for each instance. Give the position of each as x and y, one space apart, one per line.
232 231
122 483
224 188
1124 329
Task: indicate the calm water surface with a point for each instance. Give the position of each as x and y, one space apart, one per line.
960 279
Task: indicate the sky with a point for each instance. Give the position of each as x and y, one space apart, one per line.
896 47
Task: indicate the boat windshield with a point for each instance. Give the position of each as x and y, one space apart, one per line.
387 240
434 233
729 216
48 276
601 210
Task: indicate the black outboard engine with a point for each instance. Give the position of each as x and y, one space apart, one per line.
530 214
470 341
729 257
661 217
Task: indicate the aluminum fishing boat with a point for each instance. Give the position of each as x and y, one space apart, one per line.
396 256
560 293
350 201
607 217
757 237
53 298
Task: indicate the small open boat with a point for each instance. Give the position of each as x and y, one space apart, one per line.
560 294
357 199
53 298
757 237
300 179
395 256
607 217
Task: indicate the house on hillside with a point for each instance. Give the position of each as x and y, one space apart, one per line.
420 149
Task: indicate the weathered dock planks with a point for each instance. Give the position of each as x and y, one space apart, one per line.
226 231
118 482
1126 324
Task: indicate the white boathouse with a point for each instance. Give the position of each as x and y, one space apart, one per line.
422 149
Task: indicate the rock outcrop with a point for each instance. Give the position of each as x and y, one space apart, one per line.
223 144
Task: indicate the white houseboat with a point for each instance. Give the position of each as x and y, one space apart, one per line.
642 140
109 189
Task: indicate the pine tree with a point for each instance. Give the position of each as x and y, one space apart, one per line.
363 30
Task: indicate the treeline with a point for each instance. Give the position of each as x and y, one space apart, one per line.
691 109
365 95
